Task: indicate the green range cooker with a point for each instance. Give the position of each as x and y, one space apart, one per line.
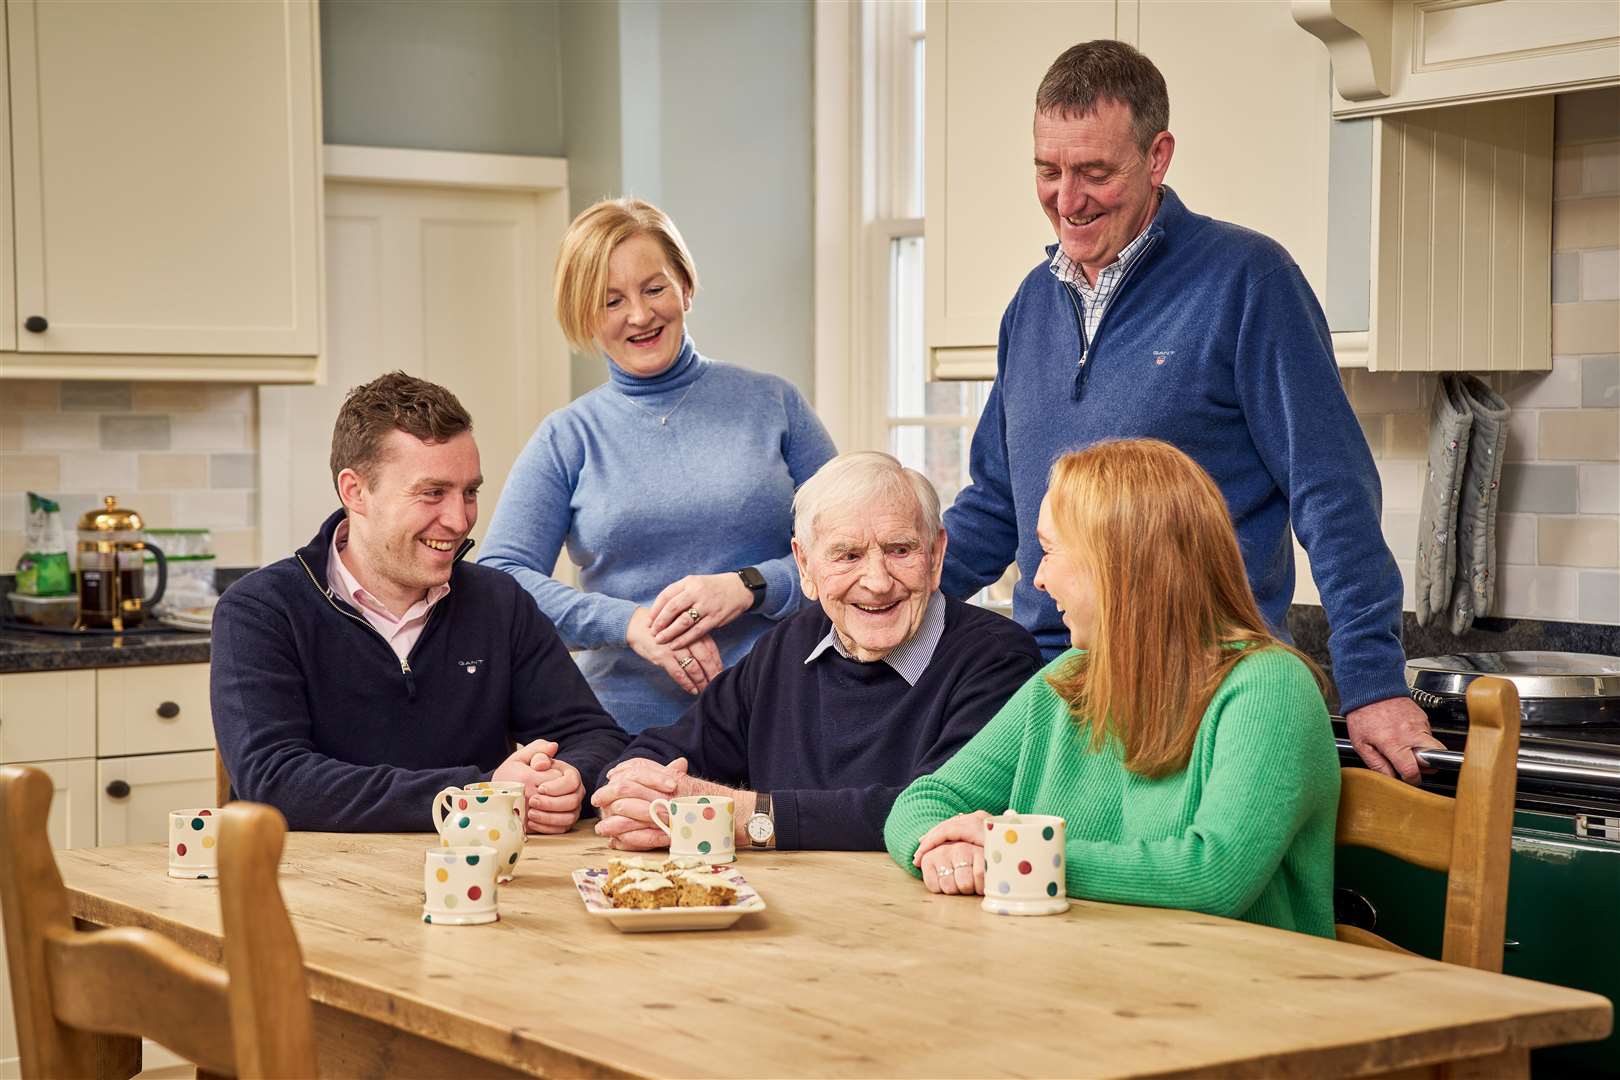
1563 915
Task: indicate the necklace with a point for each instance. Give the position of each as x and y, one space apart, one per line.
663 421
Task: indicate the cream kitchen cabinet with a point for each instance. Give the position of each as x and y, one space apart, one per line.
1249 106
165 174
137 793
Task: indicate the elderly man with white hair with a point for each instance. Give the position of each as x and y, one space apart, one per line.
839 707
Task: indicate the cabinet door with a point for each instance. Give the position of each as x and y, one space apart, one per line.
166 178
8 282
144 790
1250 110
153 710
47 714
984 228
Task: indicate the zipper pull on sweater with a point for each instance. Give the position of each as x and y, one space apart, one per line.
410 678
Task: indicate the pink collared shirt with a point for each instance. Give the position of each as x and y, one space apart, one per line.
400 633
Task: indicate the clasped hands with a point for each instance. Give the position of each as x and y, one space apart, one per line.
552 787
667 636
951 855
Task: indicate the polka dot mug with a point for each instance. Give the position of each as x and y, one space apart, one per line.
458 885
701 826
194 843
479 816
1024 865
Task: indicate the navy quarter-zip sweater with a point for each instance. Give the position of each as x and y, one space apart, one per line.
835 741
1214 343
316 715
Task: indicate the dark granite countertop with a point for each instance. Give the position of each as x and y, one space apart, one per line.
22 650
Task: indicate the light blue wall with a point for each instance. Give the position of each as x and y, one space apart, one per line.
470 75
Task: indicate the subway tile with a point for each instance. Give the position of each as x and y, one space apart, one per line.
131 432
11 431
29 395
1586 223
1539 489
1408 436
1586 328
13 515
236 547
96 396
1402 482
209 431
11 549
1559 388
29 472
1566 277
233 471
1587 114
1401 532
1516 538
1372 429
1523 425
1386 392
1600 382
1599 597
1600 274
1535 592
215 509
155 507
101 473
173 472
1568 170
193 397
1589 541
60 431
1408 572
1599 489
1600 168
1580 435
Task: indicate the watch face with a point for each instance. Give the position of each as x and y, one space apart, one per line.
760 829
753 578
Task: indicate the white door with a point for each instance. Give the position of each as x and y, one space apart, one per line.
449 284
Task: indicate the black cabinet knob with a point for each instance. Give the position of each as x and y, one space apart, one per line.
36 324
118 789
168 710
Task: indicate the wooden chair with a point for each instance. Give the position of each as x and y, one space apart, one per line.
222 780
251 1018
1469 837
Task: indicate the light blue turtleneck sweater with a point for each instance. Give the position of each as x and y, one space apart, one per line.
642 503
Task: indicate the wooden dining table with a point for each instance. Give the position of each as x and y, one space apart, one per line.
854 969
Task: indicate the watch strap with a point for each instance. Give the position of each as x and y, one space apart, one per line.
755 581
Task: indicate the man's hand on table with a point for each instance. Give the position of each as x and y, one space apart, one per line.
625 802
951 855
552 788
1386 732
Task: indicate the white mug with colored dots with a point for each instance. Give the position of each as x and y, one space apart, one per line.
1024 865
699 825
194 843
476 816
458 885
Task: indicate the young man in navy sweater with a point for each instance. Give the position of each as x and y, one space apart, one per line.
837 708
1148 320
355 680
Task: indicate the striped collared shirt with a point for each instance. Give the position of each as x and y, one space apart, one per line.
1094 298
910 658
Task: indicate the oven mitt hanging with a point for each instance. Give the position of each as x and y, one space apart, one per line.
1450 420
1475 578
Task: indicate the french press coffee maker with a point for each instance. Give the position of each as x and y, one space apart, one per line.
112 556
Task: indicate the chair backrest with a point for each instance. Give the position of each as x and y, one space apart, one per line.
251 1018
1469 837
222 780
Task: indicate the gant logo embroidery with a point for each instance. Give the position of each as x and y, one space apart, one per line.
1162 355
469 666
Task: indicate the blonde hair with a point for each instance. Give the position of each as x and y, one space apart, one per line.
1172 599
582 261
864 478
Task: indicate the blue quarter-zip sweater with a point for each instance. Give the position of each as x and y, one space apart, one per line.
1215 343
317 716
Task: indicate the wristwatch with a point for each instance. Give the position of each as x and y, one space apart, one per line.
761 828
755 581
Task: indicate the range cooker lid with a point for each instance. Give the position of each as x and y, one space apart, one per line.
1538 676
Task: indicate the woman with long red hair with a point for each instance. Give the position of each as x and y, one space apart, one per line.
1188 749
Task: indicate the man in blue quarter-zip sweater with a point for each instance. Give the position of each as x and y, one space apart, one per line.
1146 319
354 681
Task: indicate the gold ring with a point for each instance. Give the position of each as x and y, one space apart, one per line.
694 614
684 661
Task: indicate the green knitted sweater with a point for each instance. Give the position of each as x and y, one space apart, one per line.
1245 831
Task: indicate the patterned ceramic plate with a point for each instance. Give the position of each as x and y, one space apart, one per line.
632 920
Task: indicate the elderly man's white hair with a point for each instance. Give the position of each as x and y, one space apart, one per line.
864 478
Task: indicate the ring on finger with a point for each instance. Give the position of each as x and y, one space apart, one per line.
685 661
694 614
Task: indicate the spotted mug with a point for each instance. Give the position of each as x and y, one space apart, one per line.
458 885
473 816
1025 867
698 825
194 843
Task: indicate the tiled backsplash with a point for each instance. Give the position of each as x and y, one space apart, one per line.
183 454
1558 526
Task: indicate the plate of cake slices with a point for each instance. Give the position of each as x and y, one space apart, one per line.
641 892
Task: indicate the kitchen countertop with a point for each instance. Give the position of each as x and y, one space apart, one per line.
22 650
